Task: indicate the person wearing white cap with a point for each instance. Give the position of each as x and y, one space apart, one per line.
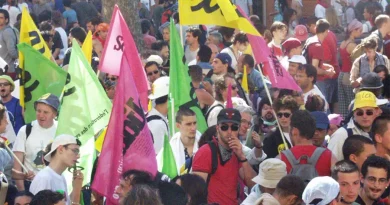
153 71
321 191
157 116
63 154
271 171
294 62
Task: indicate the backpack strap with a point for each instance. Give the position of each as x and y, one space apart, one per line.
214 159
156 117
290 157
349 130
28 130
211 109
316 155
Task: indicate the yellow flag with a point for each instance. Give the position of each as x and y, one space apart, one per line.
30 34
245 81
99 141
150 105
214 12
87 47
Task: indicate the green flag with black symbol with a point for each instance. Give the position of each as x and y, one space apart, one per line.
181 92
42 76
85 109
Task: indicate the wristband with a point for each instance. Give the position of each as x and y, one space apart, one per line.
259 147
245 160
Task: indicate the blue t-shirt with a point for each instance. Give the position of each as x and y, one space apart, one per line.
70 16
15 113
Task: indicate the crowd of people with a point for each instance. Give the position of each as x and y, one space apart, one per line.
326 143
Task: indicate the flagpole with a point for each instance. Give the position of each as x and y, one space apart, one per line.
181 35
172 115
273 111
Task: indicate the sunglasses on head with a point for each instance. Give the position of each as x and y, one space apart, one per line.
233 127
285 114
153 72
361 112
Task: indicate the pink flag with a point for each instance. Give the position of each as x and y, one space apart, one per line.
229 102
128 143
118 38
278 75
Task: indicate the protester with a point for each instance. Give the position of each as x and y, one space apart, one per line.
195 187
23 198
153 71
357 148
63 154
49 197
335 121
192 42
240 44
279 32
321 190
347 174
322 126
229 148
131 178
142 194
294 63
99 38
8 41
33 138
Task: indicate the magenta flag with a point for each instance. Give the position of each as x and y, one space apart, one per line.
128 143
118 38
229 102
278 75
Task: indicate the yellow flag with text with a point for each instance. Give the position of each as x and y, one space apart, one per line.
87 47
214 12
30 35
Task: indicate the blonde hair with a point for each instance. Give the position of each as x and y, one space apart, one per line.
331 16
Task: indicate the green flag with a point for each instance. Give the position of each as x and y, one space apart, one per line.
42 76
85 108
180 84
168 160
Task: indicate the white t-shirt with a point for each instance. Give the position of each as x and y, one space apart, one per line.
212 118
229 51
13 14
319 11
158 129
64 39
36 143
190 55
47 178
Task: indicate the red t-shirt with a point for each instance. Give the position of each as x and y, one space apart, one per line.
316 51
222 188
330 52
323 165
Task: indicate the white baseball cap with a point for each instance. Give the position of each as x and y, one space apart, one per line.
298 59
160 88
63 139
325 189
156 59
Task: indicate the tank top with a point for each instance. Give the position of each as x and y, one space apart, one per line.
345 60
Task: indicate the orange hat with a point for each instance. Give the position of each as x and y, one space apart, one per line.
102 27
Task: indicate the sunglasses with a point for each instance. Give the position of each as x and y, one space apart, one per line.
233 127
112 79
234 87
361 113
152 73
5 84
285 114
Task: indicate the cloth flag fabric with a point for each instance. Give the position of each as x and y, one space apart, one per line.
128 143
278 75
85 109
180 89
30 35
229 101
245 81
167 160
119 37
87 47
42 76
214 12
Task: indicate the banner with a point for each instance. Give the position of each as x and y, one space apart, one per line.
119 37
87 47
42 76
128 143
214 12
30 35
180 89
85 108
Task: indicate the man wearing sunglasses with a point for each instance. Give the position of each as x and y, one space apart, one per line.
230 160
365 110
152 71
63 154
